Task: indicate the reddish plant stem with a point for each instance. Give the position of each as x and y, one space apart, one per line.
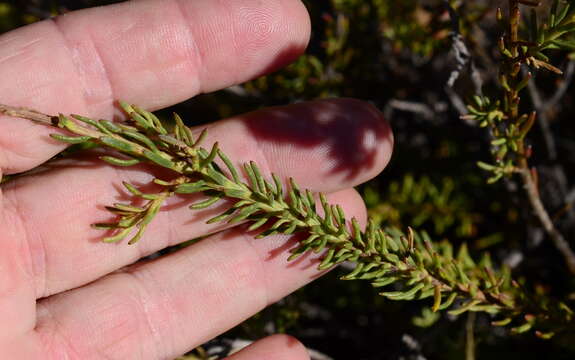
511 68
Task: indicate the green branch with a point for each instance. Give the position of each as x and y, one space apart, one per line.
414 266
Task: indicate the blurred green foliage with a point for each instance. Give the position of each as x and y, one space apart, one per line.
416 202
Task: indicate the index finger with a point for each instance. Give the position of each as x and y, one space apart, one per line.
150 52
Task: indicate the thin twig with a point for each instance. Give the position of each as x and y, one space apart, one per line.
28 114
570 198
458 104
543 107
411 106
511 70
463 59
462 54
563 87
543 121
535 200
470 336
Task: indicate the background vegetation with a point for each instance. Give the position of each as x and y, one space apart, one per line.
401 55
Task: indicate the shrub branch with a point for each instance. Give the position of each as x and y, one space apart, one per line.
508 126
410 263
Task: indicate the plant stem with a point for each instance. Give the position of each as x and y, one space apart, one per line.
420 268
28 114
511 70
470 336
399 262
535 200
514 64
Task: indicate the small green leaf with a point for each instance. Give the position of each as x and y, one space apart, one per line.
138 235
564 11
71 139
143 139
403 295
222 216
191 188
201 138
465 307
185 134
122 145
522 328
129 208
172 141
131 188
158 159
230 166
356 271
217 177
297 252
447 303
110 126
213 153
140 121
253 180
105 226
326 262
279 187
206 203
486 166
87 120
256 225
119 236
119 162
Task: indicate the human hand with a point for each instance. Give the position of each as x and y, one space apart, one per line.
63 293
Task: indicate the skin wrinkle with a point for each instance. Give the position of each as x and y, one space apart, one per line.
244 273
9 146
41 274
123 317
195 54
240 271
110 93
122 324
262 159
254 273
8 143
77 72
9 287
142 293
235 44
262 268
6 39
3 160
171 236
45 316
37 261
22 49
